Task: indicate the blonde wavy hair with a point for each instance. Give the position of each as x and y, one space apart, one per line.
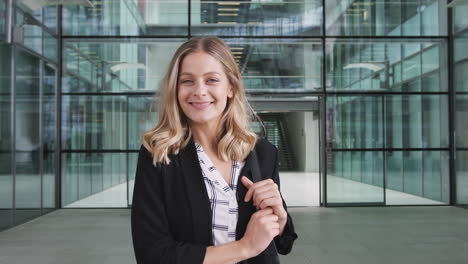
172 132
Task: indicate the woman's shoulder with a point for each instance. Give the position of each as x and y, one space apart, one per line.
263 145
147 157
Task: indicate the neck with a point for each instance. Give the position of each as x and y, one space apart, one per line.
206 134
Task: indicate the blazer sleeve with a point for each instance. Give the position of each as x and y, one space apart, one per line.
283 242
152 240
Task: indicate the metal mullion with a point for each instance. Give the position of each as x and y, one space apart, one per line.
12 131
311 37
99 151
58 114
323 111
386 149
386 37
384 153
349 93
380 205
126 148
149 93
41 121
356 204
123 37
452 101
10 20
109 94
189 17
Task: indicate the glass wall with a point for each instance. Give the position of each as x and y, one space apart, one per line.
386 18
380 67
6 138
372 76
107 103
387 103
460 68
28 91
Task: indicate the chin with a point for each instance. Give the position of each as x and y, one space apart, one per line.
202 120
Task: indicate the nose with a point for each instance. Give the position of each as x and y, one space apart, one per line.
200 89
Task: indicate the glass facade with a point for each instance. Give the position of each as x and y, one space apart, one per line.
28 117
460 83
365 99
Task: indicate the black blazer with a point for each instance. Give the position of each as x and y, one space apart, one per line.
171 213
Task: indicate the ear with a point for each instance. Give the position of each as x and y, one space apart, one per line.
231 92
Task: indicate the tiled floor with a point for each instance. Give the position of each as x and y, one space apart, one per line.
362 235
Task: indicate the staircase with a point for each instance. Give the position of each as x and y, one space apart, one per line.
277 134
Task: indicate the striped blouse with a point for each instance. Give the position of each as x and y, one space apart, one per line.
222 197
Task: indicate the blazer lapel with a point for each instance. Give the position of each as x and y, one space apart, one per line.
198 196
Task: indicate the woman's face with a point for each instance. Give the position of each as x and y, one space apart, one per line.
203 88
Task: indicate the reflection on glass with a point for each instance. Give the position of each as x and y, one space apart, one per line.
50 17
416 121
264 68
410 121
355 177
2 23
417 177
140 66
462 177
132 164
142 117
94 180
386 18
460 21
355 121
461 120
94 122
110 66
6 176
27 139
50 46
386 66
45 12
461 62
48 136
256 18
31 32
126 18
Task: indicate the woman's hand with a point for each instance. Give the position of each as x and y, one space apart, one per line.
266 194
263 226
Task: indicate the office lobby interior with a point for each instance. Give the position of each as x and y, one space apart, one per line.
365 100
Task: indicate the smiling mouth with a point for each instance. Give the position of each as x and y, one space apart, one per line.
200 104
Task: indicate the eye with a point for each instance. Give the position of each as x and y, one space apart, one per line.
212 80
185 81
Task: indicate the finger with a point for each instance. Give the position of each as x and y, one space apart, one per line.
246 181
274 225
260 197
252 188
263 212
270 202
264 191
270 218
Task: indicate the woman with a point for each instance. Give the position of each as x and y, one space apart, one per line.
194 200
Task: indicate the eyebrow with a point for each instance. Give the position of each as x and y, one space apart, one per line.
188 73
